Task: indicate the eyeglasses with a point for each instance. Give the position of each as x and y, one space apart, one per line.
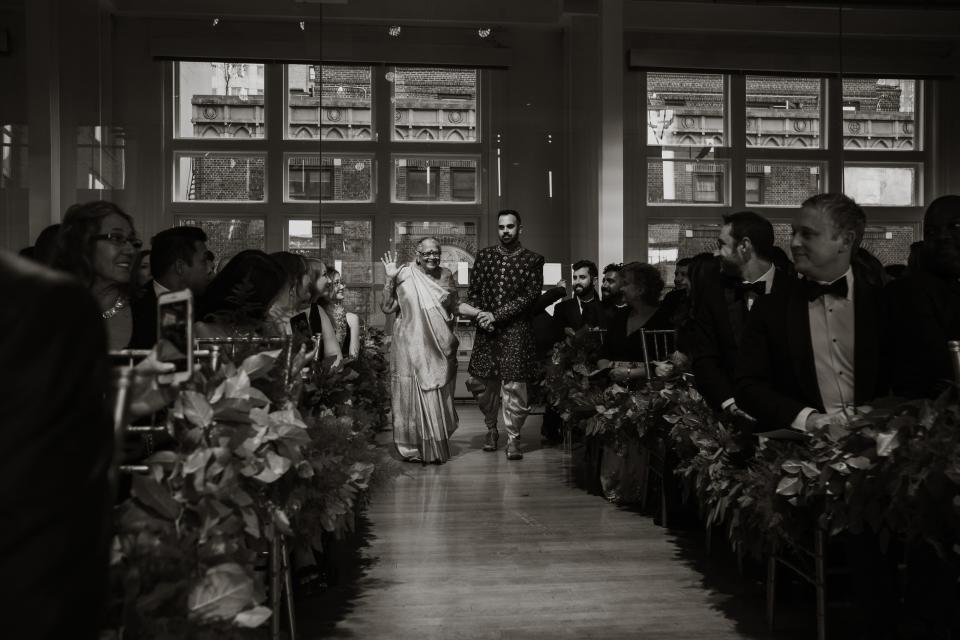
118 239
429 254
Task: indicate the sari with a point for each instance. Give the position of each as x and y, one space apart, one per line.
423 365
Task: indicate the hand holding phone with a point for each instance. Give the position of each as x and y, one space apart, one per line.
175 334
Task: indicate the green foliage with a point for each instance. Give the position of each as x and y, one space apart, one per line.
254 458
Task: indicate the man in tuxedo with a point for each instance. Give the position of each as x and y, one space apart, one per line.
56 448
744 249
179 260
583 307
925 307
812 350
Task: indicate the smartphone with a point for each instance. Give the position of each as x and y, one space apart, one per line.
175 334
300 328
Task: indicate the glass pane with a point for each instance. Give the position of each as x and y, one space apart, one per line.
313 177
219 176
458 244
673 180
228 236
783 112
219 100
348 243
435 180
886 185
878 114
331 101
890 244
686 109
14 156
668 242
100 157
434 104
772 183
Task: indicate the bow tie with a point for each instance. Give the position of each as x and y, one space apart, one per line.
759 288
814 289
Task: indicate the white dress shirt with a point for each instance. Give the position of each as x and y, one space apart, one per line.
832 337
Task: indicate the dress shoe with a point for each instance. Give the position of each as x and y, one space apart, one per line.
513 451
491 442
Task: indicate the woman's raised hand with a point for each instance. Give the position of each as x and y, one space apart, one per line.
390 265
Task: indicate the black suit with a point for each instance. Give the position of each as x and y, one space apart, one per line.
775 373
568 314
144 312
56 446
925 314
714 338
545 332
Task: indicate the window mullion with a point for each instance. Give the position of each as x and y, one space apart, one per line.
833 115
737 126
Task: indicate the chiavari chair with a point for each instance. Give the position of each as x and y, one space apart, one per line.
658 345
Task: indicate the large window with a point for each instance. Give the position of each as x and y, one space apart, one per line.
717 143
246 162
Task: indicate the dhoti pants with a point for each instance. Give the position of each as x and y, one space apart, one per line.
508 399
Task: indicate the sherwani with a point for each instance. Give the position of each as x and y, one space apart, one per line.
503 360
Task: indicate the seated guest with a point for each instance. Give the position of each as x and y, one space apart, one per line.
141 268
179 260
610 293
545 337
642 285
812 350
296 295
56 448
45 248
97 244
583 307
320 321
675 302
236 301
346 324
745 256
703 279
925 307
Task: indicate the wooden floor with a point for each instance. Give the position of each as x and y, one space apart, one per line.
483 547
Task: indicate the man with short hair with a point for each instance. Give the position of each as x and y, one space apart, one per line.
811 351
610 286
505 283
583 307
744 249
179 259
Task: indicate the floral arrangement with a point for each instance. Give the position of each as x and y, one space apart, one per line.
259 453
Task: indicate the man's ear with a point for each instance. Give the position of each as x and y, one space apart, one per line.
848 240
180 266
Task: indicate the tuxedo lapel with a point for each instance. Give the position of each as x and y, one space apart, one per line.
866 357
801 348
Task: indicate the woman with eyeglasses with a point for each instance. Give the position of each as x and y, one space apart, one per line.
423 355
98 244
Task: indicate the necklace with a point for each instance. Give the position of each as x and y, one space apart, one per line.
509 253
115 309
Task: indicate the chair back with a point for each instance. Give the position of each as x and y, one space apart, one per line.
658 345
953 346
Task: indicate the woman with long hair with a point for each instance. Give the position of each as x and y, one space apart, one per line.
97 243
346 324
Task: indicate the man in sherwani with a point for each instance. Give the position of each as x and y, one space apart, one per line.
506 282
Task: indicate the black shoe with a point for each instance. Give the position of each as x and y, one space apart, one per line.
491 442
513 451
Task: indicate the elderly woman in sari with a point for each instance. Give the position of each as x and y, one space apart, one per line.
423 357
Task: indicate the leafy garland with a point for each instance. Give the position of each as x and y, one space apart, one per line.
893 469
254 458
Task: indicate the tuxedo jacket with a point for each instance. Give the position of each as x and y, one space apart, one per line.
144 312
56 447
925 315
545 332
713 339
567 314
775 374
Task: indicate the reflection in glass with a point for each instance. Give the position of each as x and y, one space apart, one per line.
312 177
217 176
881 185
434 104
686 109
879 114
783 112
782 184
228 236
330 101
101 157
418 179
219 100
680 177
